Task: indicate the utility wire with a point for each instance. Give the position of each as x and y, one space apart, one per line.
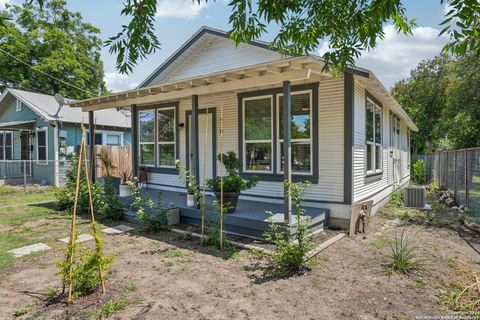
44 73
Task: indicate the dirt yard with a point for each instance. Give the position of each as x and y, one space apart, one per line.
165 276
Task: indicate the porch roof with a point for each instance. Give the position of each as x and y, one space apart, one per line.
264 74
17 125
296 69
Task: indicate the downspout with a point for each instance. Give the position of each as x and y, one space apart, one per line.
56 141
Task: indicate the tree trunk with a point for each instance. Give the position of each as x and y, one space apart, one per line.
429 146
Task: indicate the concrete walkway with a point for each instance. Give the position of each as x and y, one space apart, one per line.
23 251
118 229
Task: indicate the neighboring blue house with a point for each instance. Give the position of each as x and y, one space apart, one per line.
31 130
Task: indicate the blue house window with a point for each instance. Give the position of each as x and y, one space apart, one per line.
6 145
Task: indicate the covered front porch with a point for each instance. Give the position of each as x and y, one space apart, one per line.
250 219
197 118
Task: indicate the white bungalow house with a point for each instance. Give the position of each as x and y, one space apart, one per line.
349 137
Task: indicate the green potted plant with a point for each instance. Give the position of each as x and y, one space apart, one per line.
108 168
233 184
193 190
125 180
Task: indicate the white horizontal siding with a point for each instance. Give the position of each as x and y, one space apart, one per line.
216 54
363 187
330 120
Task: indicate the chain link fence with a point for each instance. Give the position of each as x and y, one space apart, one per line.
28 173
459 172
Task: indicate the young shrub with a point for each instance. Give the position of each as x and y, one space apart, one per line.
154 217
85 276
402 257
213 238
290 255
396 198
66 195
419 172
111 207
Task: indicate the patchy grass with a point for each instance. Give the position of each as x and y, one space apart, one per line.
131 287
24 222
174 253
21 311
110 307
463 293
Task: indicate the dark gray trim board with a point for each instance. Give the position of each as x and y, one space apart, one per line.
213 112
135 140
349 94
313 87
156 107
357 72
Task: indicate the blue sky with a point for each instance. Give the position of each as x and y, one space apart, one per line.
178 19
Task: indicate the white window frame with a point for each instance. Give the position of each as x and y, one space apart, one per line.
373 143
44 129
280 141
244 141
4 145
158 143
18 106
140 143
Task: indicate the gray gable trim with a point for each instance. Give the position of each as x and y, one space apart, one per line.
188 44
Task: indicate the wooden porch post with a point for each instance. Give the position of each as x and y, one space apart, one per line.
194 138
287 151
91 141
135 139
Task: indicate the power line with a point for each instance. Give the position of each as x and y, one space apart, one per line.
44 73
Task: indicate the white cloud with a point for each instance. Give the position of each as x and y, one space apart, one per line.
397 54
186 9
394 56
116 82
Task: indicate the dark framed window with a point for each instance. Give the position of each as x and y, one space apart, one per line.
146 126
301 103
261 133
374 136
158 134
258 134
6 145
42 145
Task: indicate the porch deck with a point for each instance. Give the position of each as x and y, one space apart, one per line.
248 220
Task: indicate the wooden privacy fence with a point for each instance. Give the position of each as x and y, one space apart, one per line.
121 158
459 172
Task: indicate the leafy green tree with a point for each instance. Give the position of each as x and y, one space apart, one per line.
462 23
351 26
423 96
462 114
41 39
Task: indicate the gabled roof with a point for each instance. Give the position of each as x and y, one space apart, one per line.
46 107
195 42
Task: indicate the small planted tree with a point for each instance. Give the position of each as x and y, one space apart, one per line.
292 246
83 271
